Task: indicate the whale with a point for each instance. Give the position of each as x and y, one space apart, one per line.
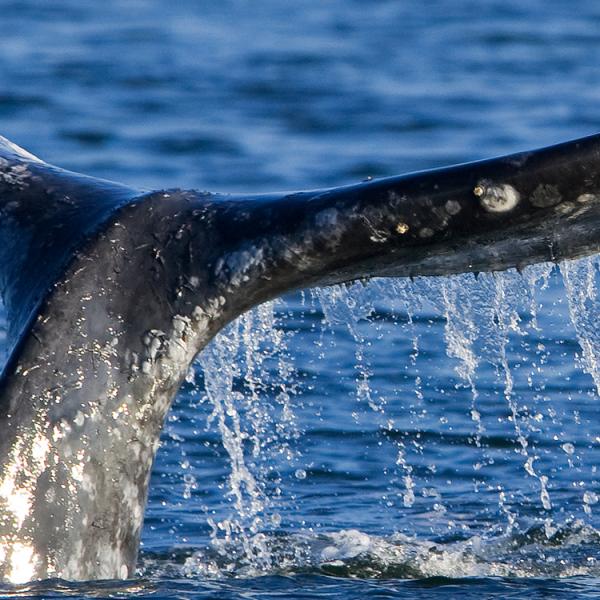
111 291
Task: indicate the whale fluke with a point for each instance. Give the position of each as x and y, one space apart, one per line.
110 293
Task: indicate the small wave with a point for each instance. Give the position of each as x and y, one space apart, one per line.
545 550
60 588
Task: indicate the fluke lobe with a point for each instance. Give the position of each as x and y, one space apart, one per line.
110 293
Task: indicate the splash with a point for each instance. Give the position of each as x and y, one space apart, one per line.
493 336
251 409
573 549
3 330
582 291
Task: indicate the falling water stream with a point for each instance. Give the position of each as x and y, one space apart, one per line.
255 394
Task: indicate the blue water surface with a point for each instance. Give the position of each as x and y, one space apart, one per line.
427 439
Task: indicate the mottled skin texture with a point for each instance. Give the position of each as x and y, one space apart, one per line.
111 293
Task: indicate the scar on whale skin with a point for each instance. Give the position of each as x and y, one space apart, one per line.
135 284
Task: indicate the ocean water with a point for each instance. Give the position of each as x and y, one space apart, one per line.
401 439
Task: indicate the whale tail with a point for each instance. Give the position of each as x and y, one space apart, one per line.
111 292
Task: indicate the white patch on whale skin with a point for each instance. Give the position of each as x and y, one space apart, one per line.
73 565
327 218
153 340
22 563
453 207
60 430
17 500
329 226
15 175
583 198
30 460
497 198
180 325
237 267
201 319
40 450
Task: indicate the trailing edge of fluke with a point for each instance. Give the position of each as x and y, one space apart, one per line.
110 293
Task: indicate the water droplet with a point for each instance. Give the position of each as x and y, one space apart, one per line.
568 448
